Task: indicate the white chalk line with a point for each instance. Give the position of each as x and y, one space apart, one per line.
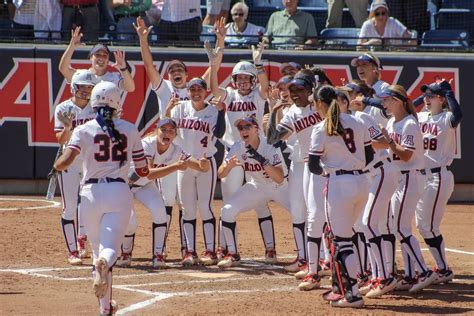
449 250
51 204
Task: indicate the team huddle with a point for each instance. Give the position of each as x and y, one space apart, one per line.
351 164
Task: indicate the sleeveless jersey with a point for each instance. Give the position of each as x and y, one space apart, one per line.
407 134
254 171
195 128
345 152
102 157
439 138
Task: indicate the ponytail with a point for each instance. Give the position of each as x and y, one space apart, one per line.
104 117
410 108
333 123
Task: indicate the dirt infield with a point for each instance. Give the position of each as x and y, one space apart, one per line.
36 279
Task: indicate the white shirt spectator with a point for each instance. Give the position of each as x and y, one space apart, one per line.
249 35
180 10
393 28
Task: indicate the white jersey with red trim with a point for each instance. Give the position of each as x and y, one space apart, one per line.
407 134
110 76
300 121
345 152
195 128
164 91
102 157
376 114
291 142
238 106
439 138
170 156
254 171
374 133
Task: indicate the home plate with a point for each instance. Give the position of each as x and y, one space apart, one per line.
205 275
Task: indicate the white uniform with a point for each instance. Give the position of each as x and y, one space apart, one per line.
343 157
406 133
439 140
195 135
300 122
70 180
111 76
106 199
257 181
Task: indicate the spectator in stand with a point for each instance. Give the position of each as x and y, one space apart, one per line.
83 13
412 13
24 19
47 19
291 26
215 10
180 22
357 8
240 31
125 13
289 69
154 14
380 28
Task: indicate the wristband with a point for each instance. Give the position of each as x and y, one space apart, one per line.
390 142
265 163
260 70
123 69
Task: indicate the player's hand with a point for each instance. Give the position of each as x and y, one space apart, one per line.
357 102
120 62
266 119
257 53
172 102
181 165
204 163
212 53
385 133
220 29
233 162
141 28
76 37
255 155
66 119
216 102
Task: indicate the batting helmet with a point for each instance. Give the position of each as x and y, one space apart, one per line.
106 93
82 77
244 68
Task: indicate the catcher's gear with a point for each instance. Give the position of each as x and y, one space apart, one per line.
252 153
81 77
244 68
106 93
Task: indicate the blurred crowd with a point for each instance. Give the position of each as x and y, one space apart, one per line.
183 22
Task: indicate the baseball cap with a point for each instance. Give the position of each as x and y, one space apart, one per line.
176 62
387 92
284 81
343 91
368 58
248 119
303 81
197 81
290 64
434 88
97 48
352 87
165 121
378 4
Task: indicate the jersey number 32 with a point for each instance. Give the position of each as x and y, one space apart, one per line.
108 150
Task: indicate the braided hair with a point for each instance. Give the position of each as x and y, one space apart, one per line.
106 114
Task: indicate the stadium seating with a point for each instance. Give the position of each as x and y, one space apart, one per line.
455 19
340 36
208 34
445 39
458 4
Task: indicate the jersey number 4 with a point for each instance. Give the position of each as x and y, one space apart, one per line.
108 150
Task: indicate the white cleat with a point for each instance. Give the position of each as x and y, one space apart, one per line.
74 259
231 260
354 303
381 287
270 256
310 282
443 276
159 262
423 280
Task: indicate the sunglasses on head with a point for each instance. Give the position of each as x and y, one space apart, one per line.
380 13
237 14
245 127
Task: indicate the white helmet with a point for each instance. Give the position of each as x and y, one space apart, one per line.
81 77
244 68
106 93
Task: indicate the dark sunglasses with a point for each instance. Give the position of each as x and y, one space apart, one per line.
430 95
380 13
244 127
237 14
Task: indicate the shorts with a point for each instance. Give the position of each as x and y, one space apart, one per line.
214 7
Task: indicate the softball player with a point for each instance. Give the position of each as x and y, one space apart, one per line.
368 69
405 147
265 174
246 97
99 58
438 126
107 145
375 221
342 145
199 124
68 115
300 120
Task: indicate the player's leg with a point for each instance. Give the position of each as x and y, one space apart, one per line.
187 195
69 182
298 207
429 213
128 242
149 195
206 185
265 223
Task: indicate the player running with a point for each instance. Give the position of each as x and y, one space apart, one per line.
405 147
341 148
265 174
438 126
246 97
107 145
67 116
199 124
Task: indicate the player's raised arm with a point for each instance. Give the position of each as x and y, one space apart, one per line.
220 31
257 53
214 54
65 63
127 83
153 74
